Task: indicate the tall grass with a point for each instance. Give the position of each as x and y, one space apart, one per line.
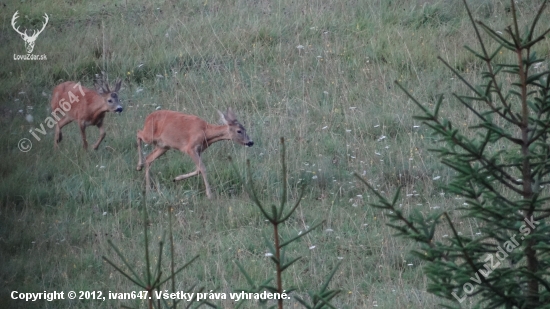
319 73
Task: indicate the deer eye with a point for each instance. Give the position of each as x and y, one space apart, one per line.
239 131
110 101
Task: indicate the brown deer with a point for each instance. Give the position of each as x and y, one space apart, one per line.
85 106
188 134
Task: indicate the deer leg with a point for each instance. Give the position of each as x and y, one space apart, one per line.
83 133
182 177
58 135
101 134
197 170
150 158
140 154
200 169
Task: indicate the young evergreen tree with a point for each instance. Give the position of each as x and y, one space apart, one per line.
506 187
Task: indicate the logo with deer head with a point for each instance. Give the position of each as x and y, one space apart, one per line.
29 40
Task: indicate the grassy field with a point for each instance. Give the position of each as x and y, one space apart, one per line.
319 73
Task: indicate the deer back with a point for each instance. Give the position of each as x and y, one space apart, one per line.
84 104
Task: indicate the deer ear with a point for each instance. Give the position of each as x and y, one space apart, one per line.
223 118
230 115
98 84
101 87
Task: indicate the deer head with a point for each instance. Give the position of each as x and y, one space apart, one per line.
29 40
110 96
237 132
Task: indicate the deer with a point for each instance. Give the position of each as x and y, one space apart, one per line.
85 106
29 40
189 134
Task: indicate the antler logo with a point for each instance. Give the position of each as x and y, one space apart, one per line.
29 40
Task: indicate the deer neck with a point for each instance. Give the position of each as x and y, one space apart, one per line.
214 133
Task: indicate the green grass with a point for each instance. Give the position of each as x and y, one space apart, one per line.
333 100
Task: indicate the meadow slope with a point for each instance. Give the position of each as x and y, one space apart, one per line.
319 73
